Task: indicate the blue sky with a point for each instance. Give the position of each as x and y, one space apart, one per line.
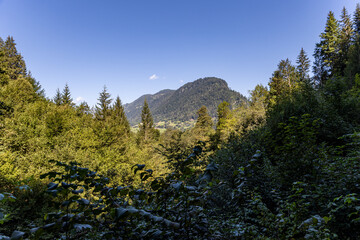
136 47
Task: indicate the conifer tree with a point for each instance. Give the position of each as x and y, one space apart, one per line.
204 120
327 51
66 96
345 41
57 98
283 81
119 116
357 20
4 78
320 69
14 62
303 66
103 107
83 108
146 127
224 114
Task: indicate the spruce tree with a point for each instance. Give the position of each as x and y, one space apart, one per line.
345 41
204 120
103 107
119 116
66 96
146 127
14 62
320 69
357 20
327 51
303 66
57 98
283 81
224 114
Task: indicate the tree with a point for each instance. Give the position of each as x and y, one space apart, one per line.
14 62
103 107
57 98
357 20
83 108
147 130
320 69
327 51
66 96
204 120
283 81
120 117
345 41
303 66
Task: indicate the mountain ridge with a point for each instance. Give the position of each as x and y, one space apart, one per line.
182 104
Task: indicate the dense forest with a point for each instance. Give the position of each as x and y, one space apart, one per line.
283 165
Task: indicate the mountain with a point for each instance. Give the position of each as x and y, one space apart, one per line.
182 104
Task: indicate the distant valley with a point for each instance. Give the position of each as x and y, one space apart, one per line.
178 108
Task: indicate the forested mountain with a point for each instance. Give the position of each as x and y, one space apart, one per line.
133 110
183 103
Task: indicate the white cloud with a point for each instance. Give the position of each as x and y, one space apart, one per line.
79 99
181 81
153 77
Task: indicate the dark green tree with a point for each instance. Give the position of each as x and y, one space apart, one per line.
14 62
147 131
57 98
283 81
83 108
66 96
120 117
327 51
357 20
204 120
103 107
345 41
303 66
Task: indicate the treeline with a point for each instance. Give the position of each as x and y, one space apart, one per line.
285 165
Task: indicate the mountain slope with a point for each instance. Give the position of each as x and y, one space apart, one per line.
183 103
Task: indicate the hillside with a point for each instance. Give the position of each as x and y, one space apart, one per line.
183 103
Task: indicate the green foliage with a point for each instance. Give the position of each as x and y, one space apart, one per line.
147 131
283 165
303 66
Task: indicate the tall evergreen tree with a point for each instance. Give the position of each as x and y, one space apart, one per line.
327 51
14 62
283 81
146 127
57 98
204 120
345 41
320 69
357 20
224 114
66 96
103 107
303 65
119 116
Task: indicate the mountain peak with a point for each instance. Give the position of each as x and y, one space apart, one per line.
182 104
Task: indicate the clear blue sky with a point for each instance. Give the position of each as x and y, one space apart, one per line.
136 47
